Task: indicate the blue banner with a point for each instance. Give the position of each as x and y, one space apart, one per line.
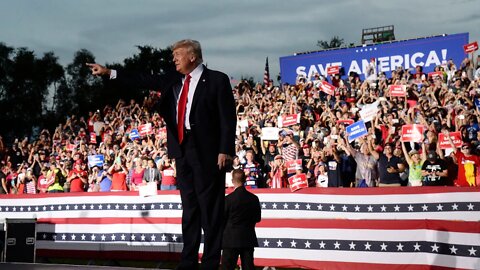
426 52
356 130
96 160
134 134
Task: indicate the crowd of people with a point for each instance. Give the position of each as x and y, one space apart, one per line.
315 146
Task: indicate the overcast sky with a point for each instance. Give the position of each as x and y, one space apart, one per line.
236 36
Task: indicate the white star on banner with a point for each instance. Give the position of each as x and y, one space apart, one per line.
142 237
285 206
344 208
134 207
455 206
384 246
103 237
470 206
179 206
434 247
117 206
64 237
75 207
367 246
67 207
36 208
266 243
397 208
337 245
161 206
425 207
113 237
352 245
51 208
274 206
370 208
293 244
307 244
297 206
384 208
125 207
164 237
357 208
84 207
44 208
153 237
109 206
453 250
92 206
320 207
100 207
83 237
473 252
399 247
279 243
21 209
122 237
143 206
152 206
15 209
322 244
174 238
410 208
44 236
132 237
417 247
93 237
59 207
170 206
439 207
308 206
264 205
73 237
332 207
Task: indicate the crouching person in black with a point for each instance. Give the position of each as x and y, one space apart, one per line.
242 212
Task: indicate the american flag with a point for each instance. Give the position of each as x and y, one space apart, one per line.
266 74
314 228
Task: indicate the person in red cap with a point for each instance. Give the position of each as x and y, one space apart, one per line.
468 164
77 177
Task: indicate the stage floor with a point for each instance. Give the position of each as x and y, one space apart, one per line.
40 266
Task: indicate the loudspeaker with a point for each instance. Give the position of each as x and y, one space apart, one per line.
19 241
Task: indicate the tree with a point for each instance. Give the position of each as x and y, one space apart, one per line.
335 42
85 88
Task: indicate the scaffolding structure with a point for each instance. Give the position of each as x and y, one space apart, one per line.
378 34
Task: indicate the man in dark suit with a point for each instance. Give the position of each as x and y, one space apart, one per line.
242 212
199 109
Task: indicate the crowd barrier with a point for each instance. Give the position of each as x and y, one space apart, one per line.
314 228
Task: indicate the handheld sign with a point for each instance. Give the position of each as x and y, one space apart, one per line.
356 130
289 120
270 133
369 111
134 134
293 165
435 75
470 47
96 160
333 70
145 129
412 133
327 88
444 142
297 182
398 90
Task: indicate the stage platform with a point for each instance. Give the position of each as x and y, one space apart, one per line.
41 266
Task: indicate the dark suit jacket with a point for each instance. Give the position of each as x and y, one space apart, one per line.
242 212
212 116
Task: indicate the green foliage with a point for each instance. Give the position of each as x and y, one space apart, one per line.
335 42
27 80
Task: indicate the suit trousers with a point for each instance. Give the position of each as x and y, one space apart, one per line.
230 258
202 191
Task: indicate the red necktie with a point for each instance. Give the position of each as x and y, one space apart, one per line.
182 104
